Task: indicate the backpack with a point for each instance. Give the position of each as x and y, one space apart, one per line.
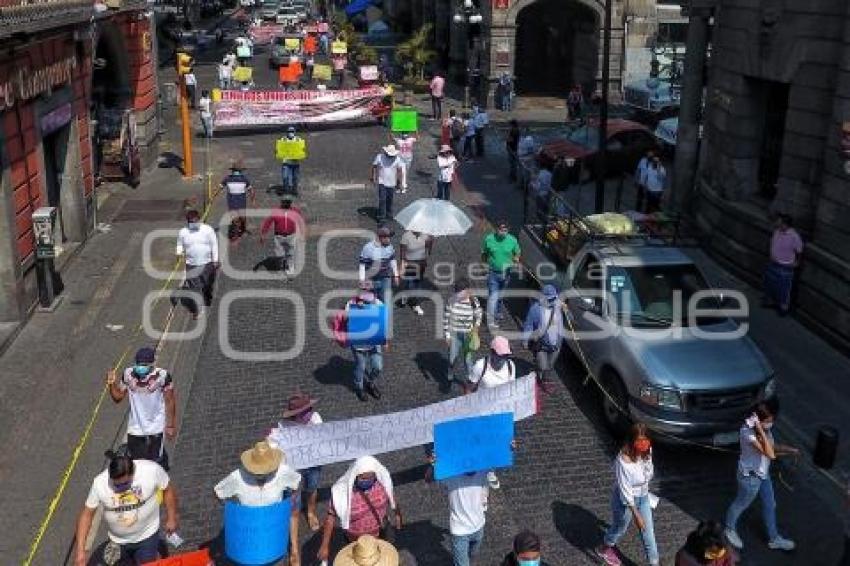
339 325
457 129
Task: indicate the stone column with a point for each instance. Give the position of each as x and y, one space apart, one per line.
11 298
687 141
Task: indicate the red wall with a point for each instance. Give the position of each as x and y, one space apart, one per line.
19 129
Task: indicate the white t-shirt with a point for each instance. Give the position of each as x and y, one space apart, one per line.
751 460
200 246
190 79
147 401
244 487
447 168
204 107
131 516
387 169
467 502
415 247
490 377
633 477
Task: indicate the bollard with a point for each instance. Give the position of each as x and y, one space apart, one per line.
826 447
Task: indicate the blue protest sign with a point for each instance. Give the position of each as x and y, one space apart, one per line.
367 325
473 444
256 535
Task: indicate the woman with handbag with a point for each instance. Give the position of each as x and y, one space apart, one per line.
361 500
543 333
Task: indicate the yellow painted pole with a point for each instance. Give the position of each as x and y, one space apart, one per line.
188 169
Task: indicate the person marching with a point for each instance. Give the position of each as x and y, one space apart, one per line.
153 409
238 188
289 166
289 225
446 165
197 242
367 551
462 317
368 358
404 142
543 334
386 174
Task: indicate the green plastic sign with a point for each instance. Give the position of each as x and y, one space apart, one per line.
404 120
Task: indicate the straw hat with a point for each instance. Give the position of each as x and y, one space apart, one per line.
367 551
390 150
262 458
297 404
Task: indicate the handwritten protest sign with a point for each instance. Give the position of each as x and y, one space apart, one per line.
197 558
340 441
404 120
339 48
256 535
368 72
367 325
473 444
292 43
322 72
242 74
291 150
322 27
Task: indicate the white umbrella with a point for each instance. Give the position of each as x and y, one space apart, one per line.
435 217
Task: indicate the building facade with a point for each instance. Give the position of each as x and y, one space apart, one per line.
77 81
776 140
548 46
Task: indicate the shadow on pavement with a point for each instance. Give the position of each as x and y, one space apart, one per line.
579 527
336 371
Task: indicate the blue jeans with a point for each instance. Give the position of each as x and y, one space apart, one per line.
444 190
621 516
385 202
367 366
456 342
496 283
383 287
748 488
311 478
289 174
465 547
778 280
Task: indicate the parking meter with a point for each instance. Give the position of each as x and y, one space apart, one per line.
44 228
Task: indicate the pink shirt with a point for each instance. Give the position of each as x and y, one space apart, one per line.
437 84
784 246
405 147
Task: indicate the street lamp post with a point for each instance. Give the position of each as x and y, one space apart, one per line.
602 150
468 15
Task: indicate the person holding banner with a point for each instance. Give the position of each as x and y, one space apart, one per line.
494 369
300 411
361 500
129 491
264 479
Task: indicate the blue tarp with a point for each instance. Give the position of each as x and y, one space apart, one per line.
357 6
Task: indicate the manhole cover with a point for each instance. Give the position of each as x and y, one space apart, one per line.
150 210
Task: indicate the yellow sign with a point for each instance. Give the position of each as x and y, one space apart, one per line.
322 72
292 44
290 150
339 48
243 74
216 95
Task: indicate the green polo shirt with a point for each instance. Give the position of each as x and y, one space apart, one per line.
500 254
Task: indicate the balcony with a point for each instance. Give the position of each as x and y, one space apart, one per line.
31 16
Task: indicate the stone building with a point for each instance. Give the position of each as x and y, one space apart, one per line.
547 45
776 139
65 65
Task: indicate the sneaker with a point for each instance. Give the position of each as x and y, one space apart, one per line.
372 389
418 310
780 543
493 480
733 539
608 555
361 395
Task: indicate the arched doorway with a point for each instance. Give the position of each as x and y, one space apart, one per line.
557 46
111 103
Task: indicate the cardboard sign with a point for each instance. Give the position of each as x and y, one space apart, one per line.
243 74
243 52
339 48
290 150
197 558
322 72
367 326
292 43
322 27
473 445
404 120
369 73
256 535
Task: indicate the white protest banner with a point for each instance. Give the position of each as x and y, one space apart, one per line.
340 441
268 108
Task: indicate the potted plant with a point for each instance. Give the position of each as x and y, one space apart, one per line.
414 55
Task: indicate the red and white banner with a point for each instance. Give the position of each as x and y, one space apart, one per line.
270 108
263 34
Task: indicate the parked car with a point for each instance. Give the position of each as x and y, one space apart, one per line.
627 142
268 9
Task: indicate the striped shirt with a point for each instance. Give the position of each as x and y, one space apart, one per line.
362 521
384 256
461 316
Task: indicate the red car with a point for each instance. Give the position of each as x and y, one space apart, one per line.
627 142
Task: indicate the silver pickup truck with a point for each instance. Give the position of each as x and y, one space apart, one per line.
631 318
